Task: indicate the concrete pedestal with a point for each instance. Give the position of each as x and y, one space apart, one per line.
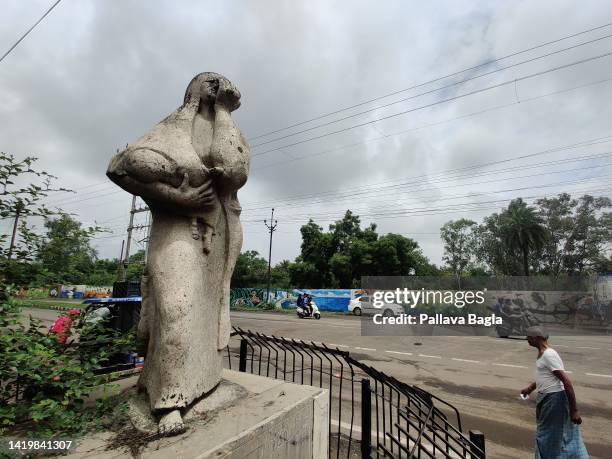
268 419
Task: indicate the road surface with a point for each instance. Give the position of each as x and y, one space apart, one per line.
481 376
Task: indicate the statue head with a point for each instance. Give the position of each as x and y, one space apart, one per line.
207 86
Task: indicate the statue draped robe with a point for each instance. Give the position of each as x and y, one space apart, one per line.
192 251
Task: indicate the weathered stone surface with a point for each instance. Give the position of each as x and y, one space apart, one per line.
143 420
140 414
226 394
268 419
188 169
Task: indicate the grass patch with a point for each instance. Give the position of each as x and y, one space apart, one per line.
61 304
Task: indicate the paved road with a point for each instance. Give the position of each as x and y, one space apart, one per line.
482 376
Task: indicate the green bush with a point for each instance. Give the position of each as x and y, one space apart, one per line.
43 383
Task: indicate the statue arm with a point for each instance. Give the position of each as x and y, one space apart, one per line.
183 196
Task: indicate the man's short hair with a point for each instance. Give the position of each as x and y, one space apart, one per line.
537 331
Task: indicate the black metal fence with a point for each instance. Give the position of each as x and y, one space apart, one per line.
371 414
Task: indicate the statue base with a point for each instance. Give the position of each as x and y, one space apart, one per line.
224 394
246 416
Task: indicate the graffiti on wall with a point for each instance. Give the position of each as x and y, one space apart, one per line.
326 299
256 298
556 307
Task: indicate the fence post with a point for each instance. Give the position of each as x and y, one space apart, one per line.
478 438
366 419
243 356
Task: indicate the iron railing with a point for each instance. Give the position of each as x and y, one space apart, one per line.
372 414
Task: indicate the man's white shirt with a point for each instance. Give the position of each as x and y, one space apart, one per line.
546 381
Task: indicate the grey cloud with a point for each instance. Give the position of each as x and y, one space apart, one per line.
96 75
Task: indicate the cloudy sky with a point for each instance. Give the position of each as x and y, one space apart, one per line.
372 124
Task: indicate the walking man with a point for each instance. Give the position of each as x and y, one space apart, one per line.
558 422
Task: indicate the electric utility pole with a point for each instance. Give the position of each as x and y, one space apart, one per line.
130 229
129 239
271 228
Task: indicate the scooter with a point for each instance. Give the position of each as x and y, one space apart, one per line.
304 313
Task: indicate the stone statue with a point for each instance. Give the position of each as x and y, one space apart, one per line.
188 169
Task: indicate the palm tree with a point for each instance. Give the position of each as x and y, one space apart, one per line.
523 230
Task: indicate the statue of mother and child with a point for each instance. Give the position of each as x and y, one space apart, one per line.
188 169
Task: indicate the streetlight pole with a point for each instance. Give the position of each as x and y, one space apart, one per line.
271 228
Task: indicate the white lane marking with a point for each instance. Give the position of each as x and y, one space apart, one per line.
338 345
400 353
466 360
561 345
508 365
365 348
587 347
596 374
568 371
430 356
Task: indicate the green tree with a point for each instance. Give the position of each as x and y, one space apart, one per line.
459 244
250 271
317 250
105 272
65 251
340 257
557 216
523 230
136 264
20 200
491 249
304 274
281 275
395 255
603 264
590 235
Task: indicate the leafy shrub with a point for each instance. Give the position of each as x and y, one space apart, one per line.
44 383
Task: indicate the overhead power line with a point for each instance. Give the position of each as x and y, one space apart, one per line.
441 101
425 211
107 185
564 183
430 91
484 64
460 173
429 210
434 175
29 30
396 192
385 213
268 165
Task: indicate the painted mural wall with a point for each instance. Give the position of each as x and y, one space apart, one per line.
326 299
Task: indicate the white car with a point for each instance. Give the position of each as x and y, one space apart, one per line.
363 305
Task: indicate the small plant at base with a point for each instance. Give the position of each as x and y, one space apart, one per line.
44 383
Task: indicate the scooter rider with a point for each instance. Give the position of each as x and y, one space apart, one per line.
307 300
